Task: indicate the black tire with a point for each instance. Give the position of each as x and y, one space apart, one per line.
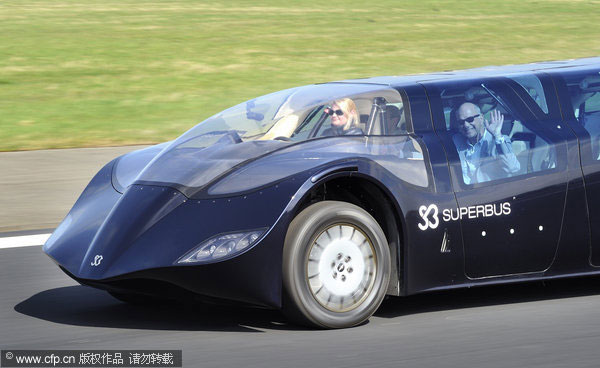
336 266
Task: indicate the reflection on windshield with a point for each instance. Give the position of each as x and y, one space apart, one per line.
402 156
262 125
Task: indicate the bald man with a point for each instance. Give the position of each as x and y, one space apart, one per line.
485 154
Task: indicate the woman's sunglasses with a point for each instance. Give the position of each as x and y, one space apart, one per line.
331 112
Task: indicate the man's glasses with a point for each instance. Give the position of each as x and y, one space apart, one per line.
469 119
331 112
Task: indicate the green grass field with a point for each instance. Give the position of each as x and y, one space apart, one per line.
106 72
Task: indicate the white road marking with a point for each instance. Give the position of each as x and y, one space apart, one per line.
23 241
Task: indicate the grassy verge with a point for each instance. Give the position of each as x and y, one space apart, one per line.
107 72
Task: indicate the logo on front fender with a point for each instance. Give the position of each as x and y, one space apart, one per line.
97 260
428 213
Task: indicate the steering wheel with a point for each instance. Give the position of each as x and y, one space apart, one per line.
230 137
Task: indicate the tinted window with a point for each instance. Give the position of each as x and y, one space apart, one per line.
584 91
533 86
491 136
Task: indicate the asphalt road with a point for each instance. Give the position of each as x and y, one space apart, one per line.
530 325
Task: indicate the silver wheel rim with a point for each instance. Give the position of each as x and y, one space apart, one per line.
341 267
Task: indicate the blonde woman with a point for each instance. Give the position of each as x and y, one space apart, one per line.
344 118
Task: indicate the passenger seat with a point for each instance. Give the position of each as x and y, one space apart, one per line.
521 145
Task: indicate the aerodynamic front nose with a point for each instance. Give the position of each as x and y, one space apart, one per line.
140 208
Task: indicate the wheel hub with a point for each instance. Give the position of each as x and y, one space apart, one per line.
341 267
